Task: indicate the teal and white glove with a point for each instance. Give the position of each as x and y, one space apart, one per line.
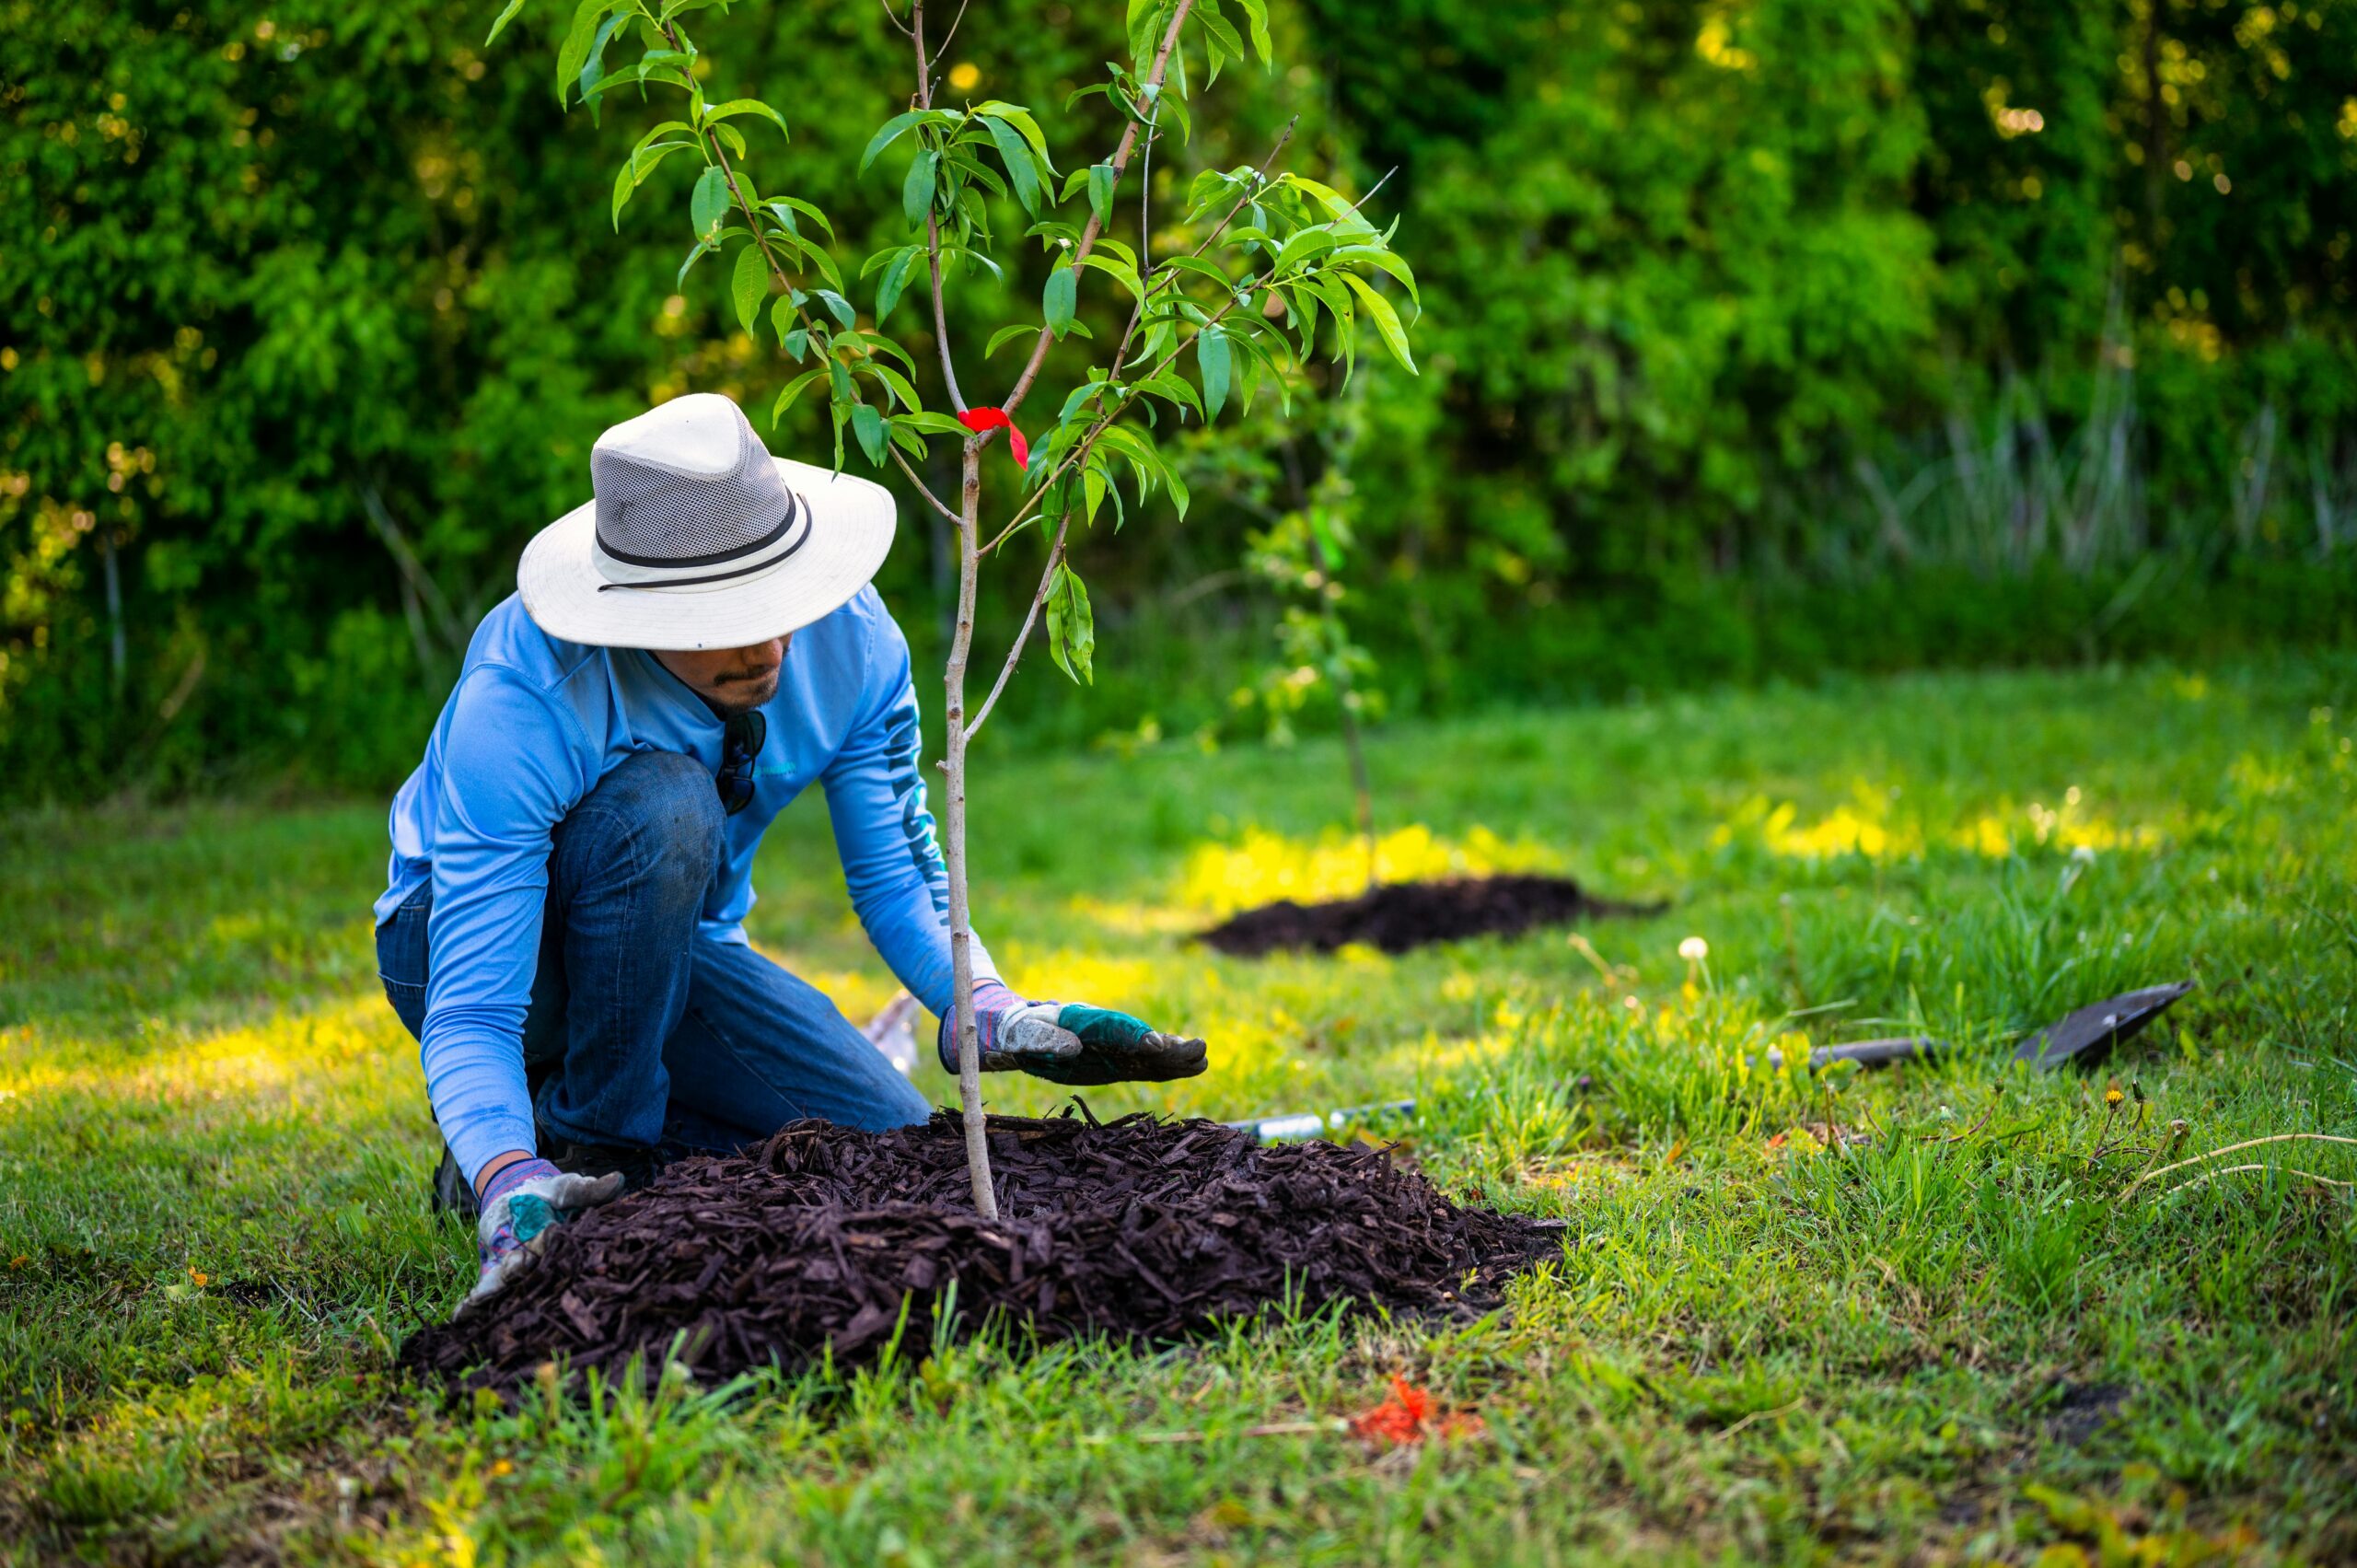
520 1206
1069 1043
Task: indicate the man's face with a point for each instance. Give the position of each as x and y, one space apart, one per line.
731 680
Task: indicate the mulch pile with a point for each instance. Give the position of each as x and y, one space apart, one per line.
1137 1229
1401 915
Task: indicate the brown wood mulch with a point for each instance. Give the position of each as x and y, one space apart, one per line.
1137 1229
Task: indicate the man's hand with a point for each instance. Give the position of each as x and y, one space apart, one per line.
520 1204
1070 1043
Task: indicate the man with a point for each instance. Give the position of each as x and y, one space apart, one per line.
563 929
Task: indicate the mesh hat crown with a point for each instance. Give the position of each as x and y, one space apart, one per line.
688 496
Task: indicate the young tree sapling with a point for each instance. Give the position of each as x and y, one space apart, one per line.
1259 235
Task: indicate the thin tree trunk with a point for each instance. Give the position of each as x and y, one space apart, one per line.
953 845
1359 784
117 654
1346 692
2155 125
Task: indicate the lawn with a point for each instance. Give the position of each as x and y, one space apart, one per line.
1943 1328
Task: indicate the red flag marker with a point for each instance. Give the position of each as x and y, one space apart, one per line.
981 419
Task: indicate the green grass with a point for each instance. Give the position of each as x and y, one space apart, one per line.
1953 1336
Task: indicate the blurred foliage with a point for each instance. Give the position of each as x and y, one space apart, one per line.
1761 339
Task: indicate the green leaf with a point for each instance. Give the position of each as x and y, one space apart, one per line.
791 337
897 385
896 278
1384 256
1013 152
1118 270
1305 245
1333 201
1211 359
1079 400
709 206
1171 113
1072 628
1200 268
749 285
505 17
737 106
1060 299
916 191
933 424
1007 334
1218 30
879 343
1179 494
574 51
826 266
869 425
701 246
792 391
1100 192
1386 321
839 307
891 131
624 183
593 69
1145 31
1020 117
786 206
1257 13
1173 390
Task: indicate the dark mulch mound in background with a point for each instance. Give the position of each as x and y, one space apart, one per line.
1139 1228
1410 914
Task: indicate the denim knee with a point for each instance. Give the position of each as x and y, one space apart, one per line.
656 816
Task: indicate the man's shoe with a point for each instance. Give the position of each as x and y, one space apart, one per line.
451 1193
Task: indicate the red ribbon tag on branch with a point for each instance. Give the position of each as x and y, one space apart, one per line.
981 419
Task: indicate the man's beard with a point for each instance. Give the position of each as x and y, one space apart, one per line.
741 691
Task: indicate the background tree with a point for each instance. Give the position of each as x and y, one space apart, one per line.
1716 292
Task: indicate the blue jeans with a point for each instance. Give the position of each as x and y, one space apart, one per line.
643 1033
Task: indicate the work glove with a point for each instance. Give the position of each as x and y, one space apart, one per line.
1067 1042
520 1206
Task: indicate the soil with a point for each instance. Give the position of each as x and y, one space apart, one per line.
1139 1229
1401 915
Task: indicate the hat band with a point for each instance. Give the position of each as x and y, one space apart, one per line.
772 549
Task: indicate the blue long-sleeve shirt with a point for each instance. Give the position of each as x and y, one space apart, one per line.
532 727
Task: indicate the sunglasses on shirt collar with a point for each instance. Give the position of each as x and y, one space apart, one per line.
741 748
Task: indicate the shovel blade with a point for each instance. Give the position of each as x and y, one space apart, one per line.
2088 1035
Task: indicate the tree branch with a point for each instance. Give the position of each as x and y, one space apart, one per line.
1137 312
777 271
1015 653
931 219
1080 447
1088 233
922 489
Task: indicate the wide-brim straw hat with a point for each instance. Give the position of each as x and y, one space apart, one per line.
698 539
